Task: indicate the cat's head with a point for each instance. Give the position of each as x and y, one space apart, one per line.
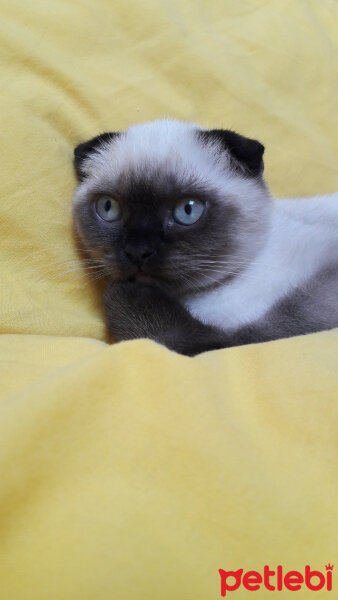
171 202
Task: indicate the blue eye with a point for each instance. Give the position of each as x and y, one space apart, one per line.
107 208
187 212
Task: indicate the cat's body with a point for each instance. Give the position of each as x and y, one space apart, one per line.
247 269
300 253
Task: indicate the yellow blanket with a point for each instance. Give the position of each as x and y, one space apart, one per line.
127 471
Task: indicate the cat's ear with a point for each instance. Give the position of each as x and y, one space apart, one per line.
246 154
82 151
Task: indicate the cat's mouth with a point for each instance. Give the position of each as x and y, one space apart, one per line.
142 277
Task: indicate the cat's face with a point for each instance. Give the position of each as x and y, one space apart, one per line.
170 202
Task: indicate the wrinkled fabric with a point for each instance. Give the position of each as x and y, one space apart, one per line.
128 471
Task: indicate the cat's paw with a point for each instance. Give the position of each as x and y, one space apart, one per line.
136 310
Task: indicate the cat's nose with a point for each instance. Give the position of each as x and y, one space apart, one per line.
139 254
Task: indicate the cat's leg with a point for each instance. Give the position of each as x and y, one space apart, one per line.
138 310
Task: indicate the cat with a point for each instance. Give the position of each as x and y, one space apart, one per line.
196 253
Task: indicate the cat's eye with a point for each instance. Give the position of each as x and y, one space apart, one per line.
107 208
188 211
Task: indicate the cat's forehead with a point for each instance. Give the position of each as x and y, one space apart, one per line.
167 155
169 147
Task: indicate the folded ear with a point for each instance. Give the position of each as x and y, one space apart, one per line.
246 154
82 151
